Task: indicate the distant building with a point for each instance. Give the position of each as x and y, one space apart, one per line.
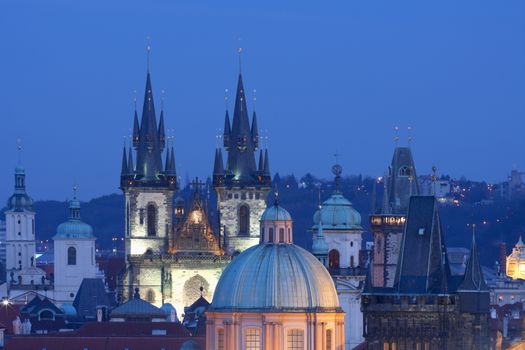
2 250
276 296
337 243
427 307
516 261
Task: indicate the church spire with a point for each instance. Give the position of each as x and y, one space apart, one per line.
218 167
167 163
124 170
473 279
261 161
266 163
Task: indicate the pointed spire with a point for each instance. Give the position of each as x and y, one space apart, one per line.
266 163
218 168
473 279
255 132
136 129
227 130
162 135
124 170
261 161
173 170
74 205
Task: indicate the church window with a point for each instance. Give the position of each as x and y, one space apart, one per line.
270 234
152 220
281 235
33 226
328 339
230 196
295 339
257 195
352 261
351 244
333 259
220 339
141 216
243 195
236 196
150 296
405 171
251 195
386 345
71 256
244 220
252 339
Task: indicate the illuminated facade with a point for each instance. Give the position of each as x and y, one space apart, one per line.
337 230
241 186
168 261
388 225
516 261
255 307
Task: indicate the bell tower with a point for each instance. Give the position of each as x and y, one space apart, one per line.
148 186
241 186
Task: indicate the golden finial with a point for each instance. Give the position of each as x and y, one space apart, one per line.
239 51
148 50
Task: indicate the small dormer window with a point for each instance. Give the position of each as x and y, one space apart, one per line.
421 231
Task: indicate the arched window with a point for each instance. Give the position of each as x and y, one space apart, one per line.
270 234
281 235
328 339
333 259
252 339
46 315
244 220
150 296
220 339
152 220
295 339
405 171
352 261
71 256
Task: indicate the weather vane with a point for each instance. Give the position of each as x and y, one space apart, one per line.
75 189
226 98
409 138
19 148
254 98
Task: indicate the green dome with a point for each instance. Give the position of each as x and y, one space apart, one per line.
276 213
74 227
337 213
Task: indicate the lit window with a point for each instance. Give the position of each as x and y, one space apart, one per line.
295 339
421 231
333 259
253 339
150 296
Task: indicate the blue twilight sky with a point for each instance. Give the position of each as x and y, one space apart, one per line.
333 75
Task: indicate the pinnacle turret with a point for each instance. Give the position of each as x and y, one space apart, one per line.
124 169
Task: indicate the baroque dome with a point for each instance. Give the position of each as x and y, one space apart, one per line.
337 213
74 227
275 213
275 278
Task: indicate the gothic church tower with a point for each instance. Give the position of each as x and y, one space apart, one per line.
148 186
241 185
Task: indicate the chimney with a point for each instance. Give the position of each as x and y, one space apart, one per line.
503 258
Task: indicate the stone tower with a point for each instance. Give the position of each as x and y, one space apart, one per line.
241 185
388 225
20 228
148 186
